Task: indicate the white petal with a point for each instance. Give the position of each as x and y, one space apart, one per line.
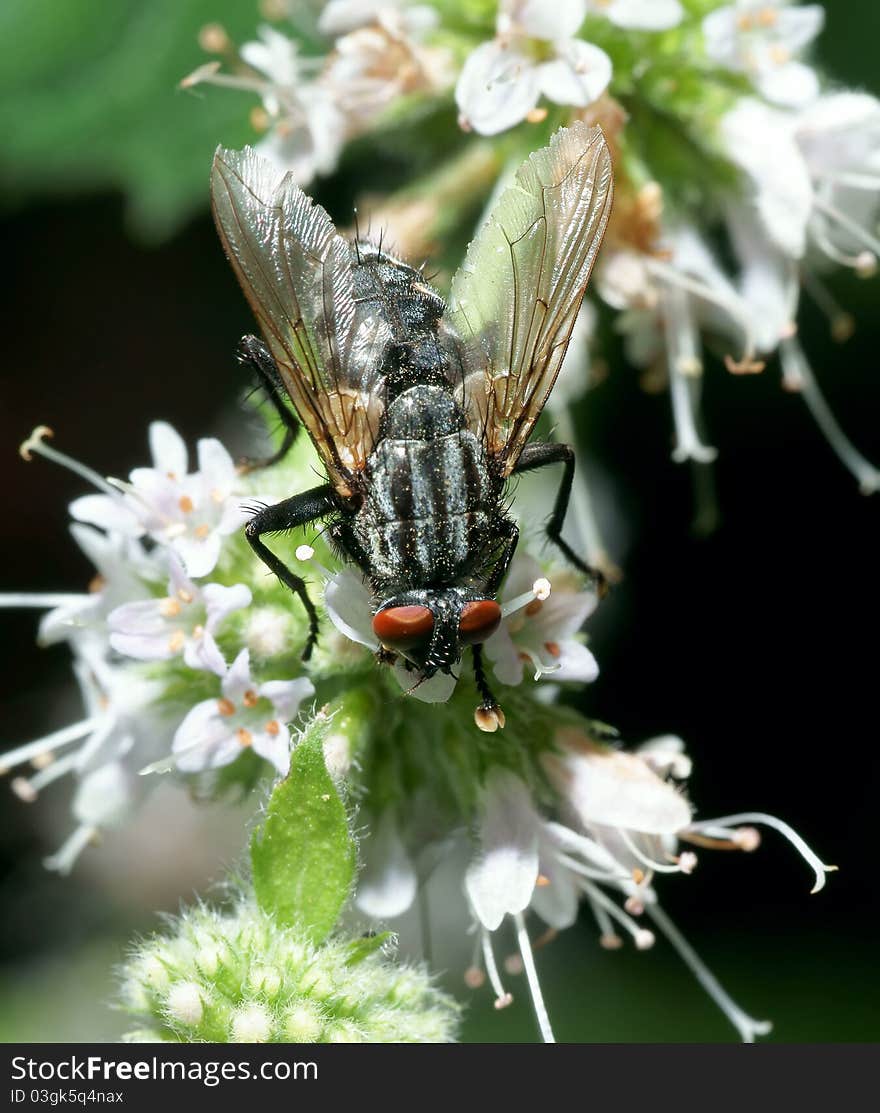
555 898
497 88
238 680
798 25
578 76
437 689
504 654
204 653
199 554
556 21
720 37
790 86
347 600
104 796
618 790
760 140
287 695
643 15
204 740
576 663
168 449
221 601
107 513
387 884
274 748
768 281
216 466
503 877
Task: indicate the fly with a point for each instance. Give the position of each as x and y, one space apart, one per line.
421 411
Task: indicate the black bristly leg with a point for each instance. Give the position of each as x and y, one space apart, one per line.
489 706
253 353
541 455
293 512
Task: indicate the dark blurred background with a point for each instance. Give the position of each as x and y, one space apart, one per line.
757 644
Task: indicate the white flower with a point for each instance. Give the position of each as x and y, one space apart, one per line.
624 822
387 884
762 38
502 878
534 54
122 730
184 621
276 57
639 15
215 731
189 512
372 67
543 633
308 135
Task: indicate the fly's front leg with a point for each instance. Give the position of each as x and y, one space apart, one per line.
489 716
293 512
535 456
254 354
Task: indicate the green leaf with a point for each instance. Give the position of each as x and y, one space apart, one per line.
359 949
303 856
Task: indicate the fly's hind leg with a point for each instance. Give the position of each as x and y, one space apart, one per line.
253 353
283 516
539 455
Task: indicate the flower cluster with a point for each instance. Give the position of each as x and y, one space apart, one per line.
742 176
239 977
189 657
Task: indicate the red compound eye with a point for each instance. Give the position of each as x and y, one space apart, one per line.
401 627
479 620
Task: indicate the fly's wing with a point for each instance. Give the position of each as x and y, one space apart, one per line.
515 298
296 272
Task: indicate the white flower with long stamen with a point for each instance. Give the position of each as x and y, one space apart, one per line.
190 512
245 716
182 622
341 16
762 38
624 825
542 634
535 53
123 728
123 570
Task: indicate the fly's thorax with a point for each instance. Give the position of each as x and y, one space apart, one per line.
430 627
392 290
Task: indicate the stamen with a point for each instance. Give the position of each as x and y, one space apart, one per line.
502 997
681 345
732 304
608 937
746 1025
36 442
64 858
528 959
660 867
642 938
872 243
540 591
27 789
47 743
720 828
40 600
797 372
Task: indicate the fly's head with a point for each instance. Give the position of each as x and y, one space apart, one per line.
431 627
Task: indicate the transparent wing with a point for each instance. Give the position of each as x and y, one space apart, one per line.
515 298
296 272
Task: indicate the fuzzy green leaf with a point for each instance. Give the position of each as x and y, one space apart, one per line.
303 856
